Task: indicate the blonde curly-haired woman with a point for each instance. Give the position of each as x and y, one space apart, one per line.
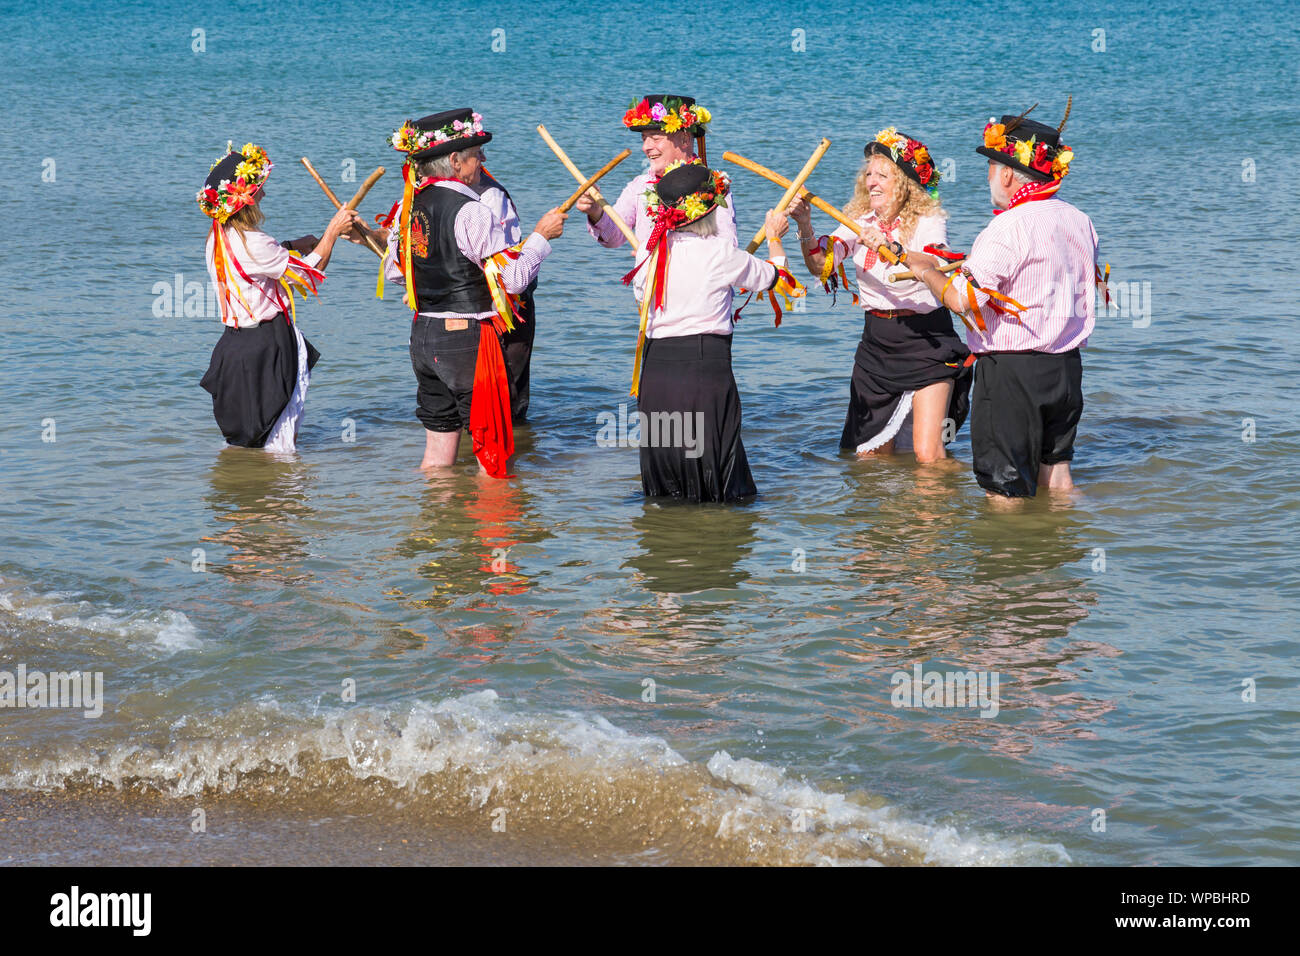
910 364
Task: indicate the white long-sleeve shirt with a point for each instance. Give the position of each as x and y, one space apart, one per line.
875 291
631 208
264 261
702 271
479 236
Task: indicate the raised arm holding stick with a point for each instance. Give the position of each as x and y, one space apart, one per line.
595 196
368 237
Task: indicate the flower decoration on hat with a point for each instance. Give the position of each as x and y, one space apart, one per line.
693 206
408 139
668 114
909 155
234 179
1031 147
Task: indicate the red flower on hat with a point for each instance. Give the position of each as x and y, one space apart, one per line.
924 172
240 194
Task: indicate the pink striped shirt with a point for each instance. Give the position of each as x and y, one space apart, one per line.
1043 254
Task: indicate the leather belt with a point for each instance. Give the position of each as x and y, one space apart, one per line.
892 313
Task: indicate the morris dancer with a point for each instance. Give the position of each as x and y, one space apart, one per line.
462 276
689 407
261 365
1029 277
909 362
669 126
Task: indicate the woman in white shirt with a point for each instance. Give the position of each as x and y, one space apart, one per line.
689 408
910 364
261 365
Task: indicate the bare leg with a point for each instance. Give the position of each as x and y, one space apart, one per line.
929 412
440 449
1055 477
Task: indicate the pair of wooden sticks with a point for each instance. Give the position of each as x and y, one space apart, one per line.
885 252
374 178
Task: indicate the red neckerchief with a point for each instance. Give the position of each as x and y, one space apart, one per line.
1030 192
887 230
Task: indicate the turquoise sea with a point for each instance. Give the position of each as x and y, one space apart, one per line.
337 658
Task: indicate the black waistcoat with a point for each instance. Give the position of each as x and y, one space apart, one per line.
445 281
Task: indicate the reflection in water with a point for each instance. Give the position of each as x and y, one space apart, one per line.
687 548
262 497
464 536
973 589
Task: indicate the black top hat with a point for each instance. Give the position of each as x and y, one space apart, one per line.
651 113
1016 138
440 133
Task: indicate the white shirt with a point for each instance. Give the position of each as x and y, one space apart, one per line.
701 273
479 235
631 208
264 261
875 291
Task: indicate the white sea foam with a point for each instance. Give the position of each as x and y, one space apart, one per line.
474 749
167 629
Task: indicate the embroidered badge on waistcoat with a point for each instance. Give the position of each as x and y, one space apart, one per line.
420 234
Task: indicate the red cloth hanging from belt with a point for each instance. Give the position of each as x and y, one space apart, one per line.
489 411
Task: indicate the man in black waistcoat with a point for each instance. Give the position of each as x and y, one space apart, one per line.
445 247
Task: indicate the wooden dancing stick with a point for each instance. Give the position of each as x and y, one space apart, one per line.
600 200
568 203
885 252
945 267
373 178
792 188
780 180
365 187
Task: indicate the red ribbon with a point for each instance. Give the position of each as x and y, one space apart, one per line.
1030 192
489 411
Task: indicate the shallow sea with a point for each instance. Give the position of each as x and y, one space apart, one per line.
551 669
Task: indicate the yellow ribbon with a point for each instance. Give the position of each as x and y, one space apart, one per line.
502 301
227 280
662 248
408 198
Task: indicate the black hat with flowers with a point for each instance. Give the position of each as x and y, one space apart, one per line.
667 113
439 134
909 155
686 192
1028 146
233 181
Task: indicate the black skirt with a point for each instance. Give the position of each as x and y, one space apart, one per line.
251 377
690 421
896 357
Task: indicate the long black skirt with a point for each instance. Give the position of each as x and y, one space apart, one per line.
690 421
251 377
895 358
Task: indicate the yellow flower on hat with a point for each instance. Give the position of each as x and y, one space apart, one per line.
1061 164
693 206
247 171
701 114
1025 150
672 123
